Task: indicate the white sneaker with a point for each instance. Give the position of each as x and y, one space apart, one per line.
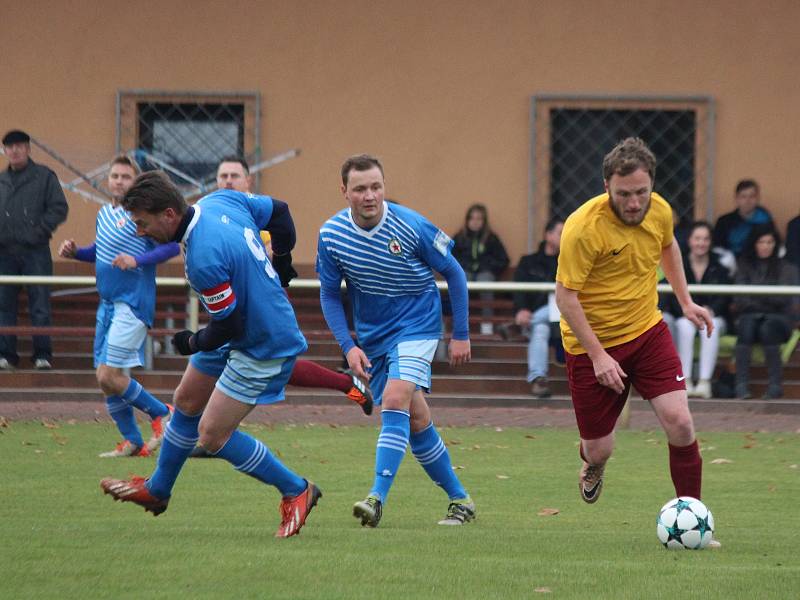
42 364
487 329
689 389
702 389
5 365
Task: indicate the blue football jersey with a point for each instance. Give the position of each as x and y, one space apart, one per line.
116 233
227 265
388 274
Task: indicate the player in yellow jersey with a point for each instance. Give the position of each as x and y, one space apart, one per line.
613 333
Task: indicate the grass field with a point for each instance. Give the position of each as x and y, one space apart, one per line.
61 538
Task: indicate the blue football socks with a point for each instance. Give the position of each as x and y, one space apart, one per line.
392 443
180 437
140 398
123 416
429 449
252 457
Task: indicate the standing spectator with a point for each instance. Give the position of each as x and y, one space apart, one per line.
732 228
793 241
767 320
701 266
481 254
32 205
532 309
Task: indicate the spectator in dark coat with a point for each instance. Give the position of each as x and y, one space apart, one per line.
793 241
732 228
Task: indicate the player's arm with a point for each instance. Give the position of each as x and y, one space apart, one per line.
68 249
672 265
283 237
606 369
460 349
158 254
226 322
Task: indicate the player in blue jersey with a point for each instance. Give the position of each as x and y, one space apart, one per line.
125 265
226 264
386 253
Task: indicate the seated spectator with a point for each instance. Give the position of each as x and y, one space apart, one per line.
702 266
532 309
767 320
793 241
732 228
481 254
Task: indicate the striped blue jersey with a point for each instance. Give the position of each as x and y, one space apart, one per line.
388 274
227 265
115 234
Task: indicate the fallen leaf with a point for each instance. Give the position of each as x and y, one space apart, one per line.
502 476
49 425
72 422
453 442
38 451
457 467
771 488
548 512
530 436
542 590
502 447
748 446
476 447
498 429
3 422
721 461
792 466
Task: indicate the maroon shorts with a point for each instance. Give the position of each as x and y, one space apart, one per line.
652 366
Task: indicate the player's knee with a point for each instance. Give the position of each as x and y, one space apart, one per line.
211 438
110 380
679 427
187 403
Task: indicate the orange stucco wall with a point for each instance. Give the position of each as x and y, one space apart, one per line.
439 90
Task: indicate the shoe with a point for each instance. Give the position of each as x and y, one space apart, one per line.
158 425
713 544
459 512
126 448
295 509
200 452
369 510
487 328
506 331
591 482
5 365
743 391
42 364
134 491
773 392
540 388
360 393
702 389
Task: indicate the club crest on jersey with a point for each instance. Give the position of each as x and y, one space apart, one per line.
121 222
395 247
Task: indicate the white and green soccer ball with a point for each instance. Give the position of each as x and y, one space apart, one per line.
685 522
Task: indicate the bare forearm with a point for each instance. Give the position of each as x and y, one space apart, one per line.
572 311
672 264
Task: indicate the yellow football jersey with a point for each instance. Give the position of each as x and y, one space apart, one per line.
613 268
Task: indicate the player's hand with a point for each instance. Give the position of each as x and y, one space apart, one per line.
700 316
124 262
282 263
183 342
609 373
359 363
67 249
460 352
523 317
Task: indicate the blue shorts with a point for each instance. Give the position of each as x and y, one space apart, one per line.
407 361
243 377
119 336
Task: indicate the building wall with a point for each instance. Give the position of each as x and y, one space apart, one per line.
439 90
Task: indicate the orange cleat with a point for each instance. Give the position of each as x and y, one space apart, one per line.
126 448
295 509
360 394
135 491
158 425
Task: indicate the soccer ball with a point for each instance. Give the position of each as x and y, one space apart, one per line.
685 522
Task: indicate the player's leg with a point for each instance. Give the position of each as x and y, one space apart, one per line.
709 350
312 375
430 451
539 353
686 333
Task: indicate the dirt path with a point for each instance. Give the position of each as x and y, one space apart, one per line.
454 417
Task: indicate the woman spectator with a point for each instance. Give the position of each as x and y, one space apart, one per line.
481 254
767 320
702 266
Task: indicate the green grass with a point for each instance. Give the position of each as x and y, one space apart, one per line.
61 538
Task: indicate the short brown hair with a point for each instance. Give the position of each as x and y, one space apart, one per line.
124 159
359 162
154 192
628 156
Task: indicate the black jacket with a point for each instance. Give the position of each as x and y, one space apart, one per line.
715 273
534 267
475 257
756 273
32 205
731 230
793 242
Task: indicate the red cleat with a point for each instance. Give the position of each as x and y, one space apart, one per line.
135 491
158 425
295 509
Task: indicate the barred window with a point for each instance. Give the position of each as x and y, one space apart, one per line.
571 135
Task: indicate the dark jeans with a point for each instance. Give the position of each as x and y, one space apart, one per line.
35 262
769 329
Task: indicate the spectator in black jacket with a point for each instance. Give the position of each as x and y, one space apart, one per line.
32 205
767 320
481 254
732 228
532 309
701 266
793 241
